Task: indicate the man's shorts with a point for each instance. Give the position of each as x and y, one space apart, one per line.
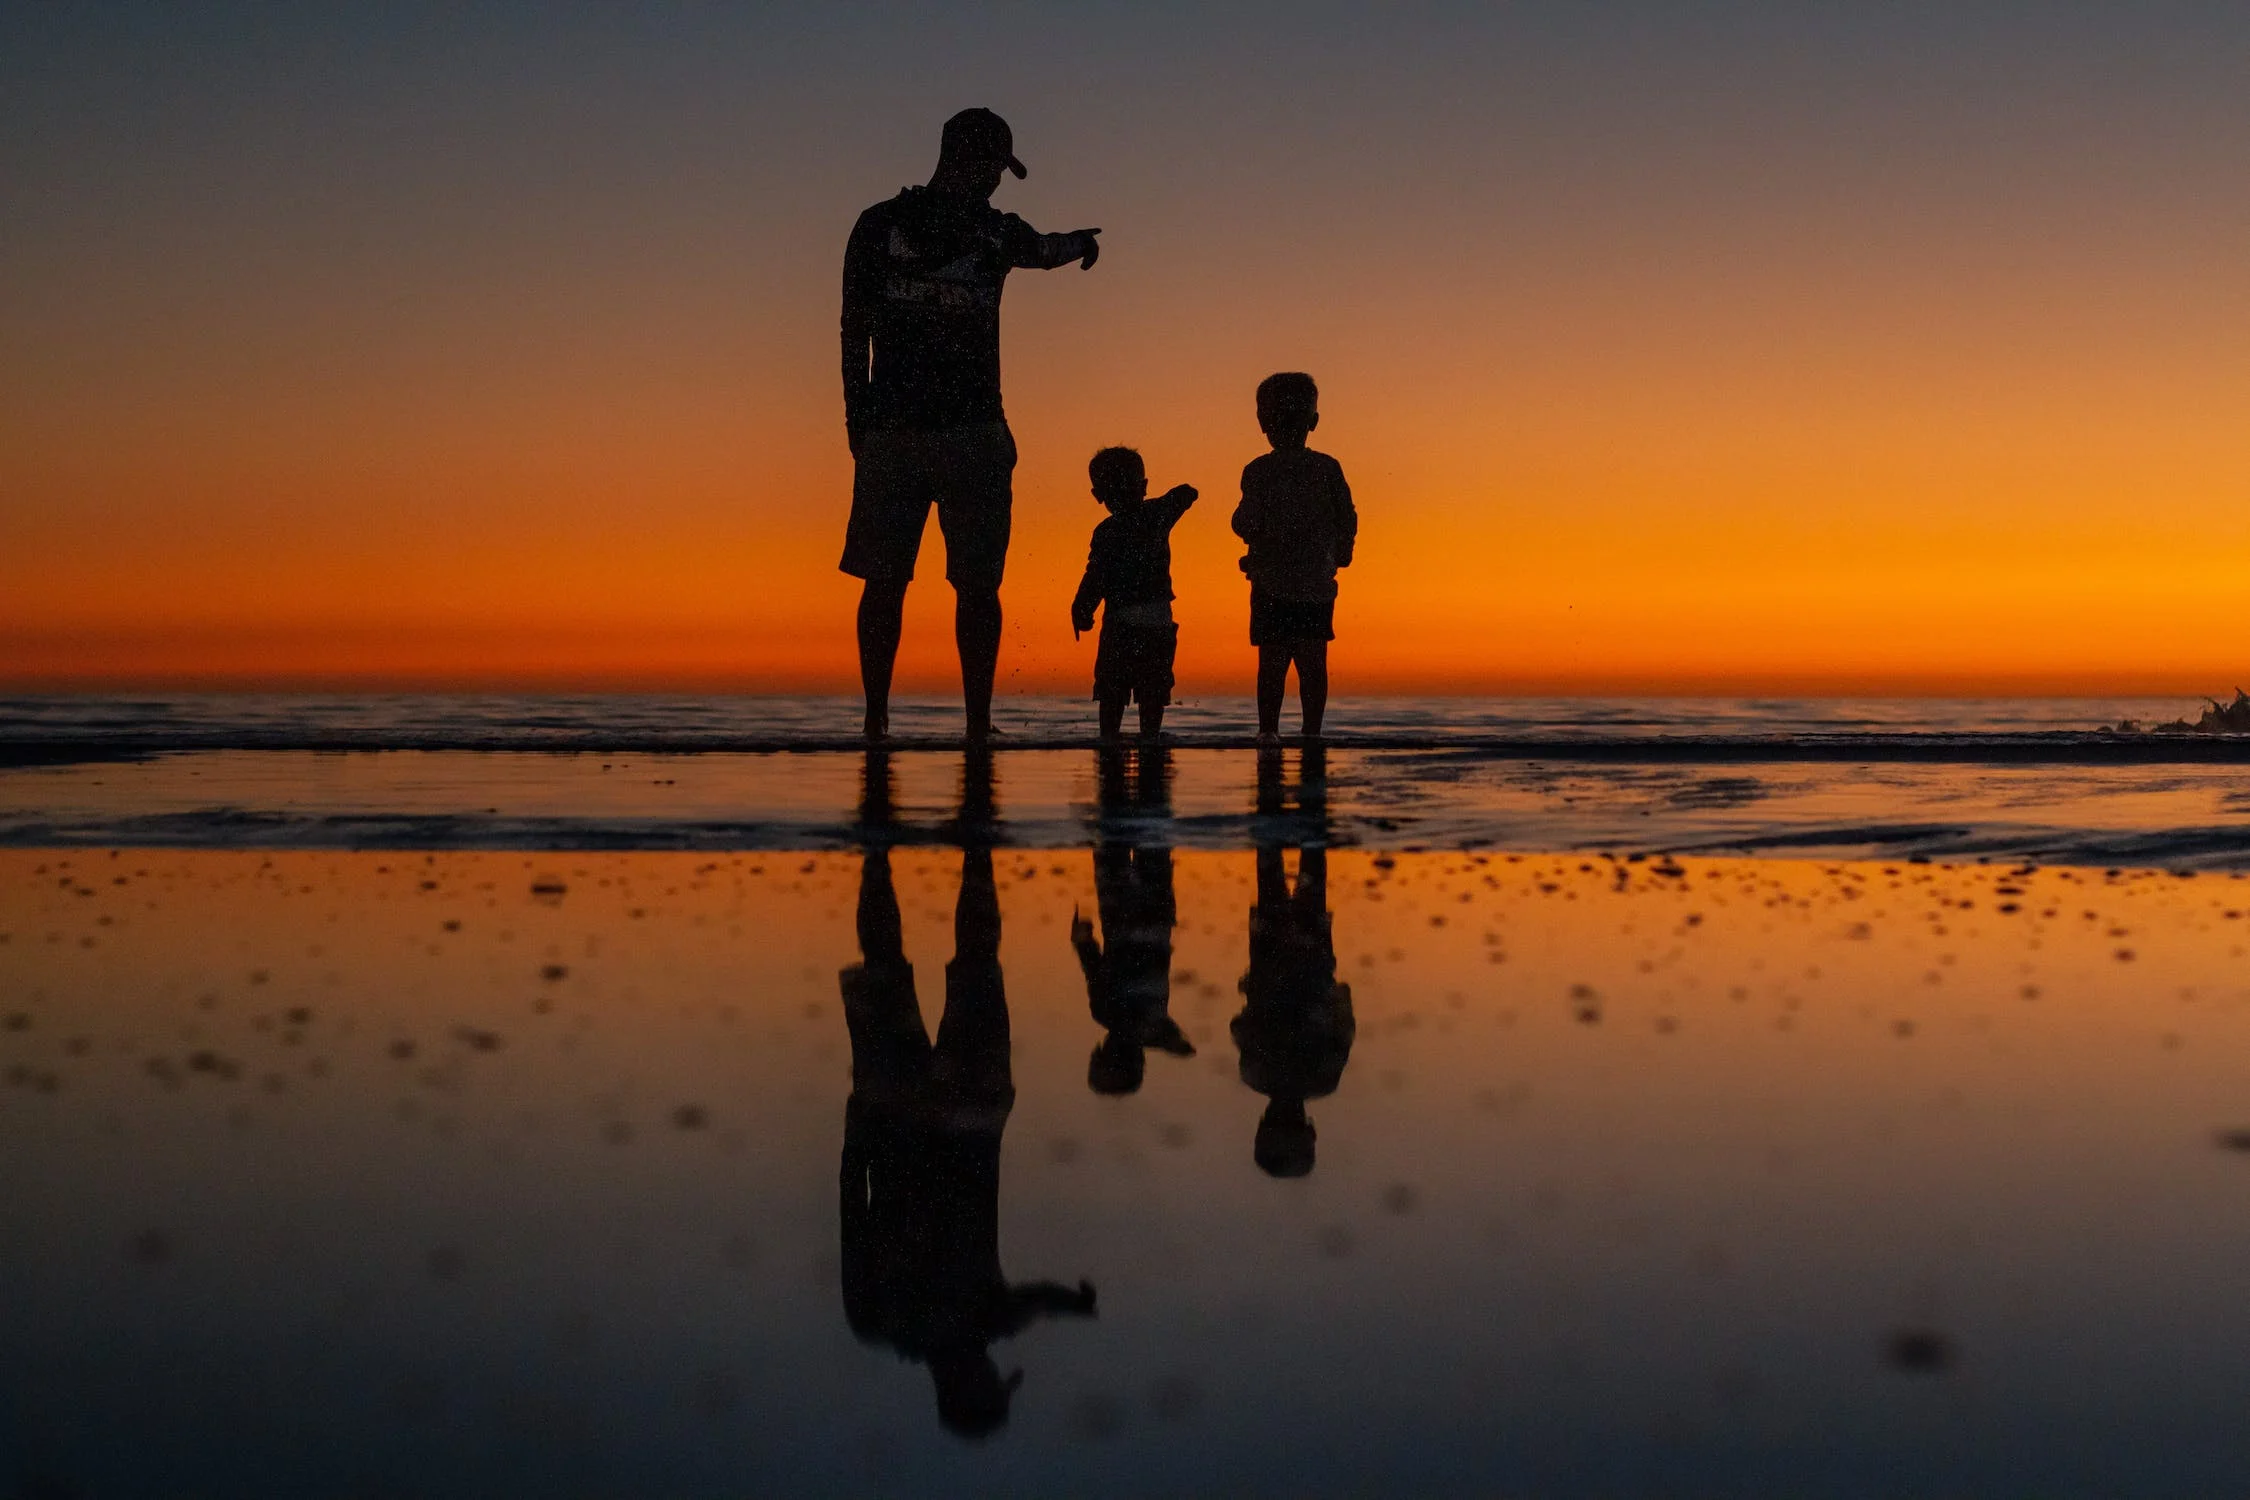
1290 622
966 472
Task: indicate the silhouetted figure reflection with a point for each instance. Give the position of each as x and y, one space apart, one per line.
920 1179
978 821
1277 821
1129 981
1133 786
1295 1030
1129 972
878 799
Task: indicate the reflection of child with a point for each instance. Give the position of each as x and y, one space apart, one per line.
1129 570
1295 1030
1129 982
1297 516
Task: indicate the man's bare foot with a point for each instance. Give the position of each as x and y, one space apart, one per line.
1269 739
877 726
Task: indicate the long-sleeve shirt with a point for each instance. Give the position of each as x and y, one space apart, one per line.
1296 1027
923 274
1130 559
1297 515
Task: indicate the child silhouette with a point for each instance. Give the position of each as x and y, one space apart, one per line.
1297 517
1129 572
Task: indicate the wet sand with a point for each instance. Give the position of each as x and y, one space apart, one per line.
477 1172
2175 815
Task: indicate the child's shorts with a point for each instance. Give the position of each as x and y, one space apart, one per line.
1135 660
1285 622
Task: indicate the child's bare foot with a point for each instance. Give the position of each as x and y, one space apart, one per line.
1269 739
877 726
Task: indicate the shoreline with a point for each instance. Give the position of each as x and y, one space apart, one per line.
2056 748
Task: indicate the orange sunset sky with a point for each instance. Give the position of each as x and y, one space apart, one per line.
1710 348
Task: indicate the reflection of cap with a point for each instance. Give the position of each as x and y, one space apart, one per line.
980 135
972 1396
1285 1143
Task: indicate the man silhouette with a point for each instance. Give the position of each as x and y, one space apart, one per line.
923 274
920 1176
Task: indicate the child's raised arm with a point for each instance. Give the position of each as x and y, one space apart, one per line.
1174 503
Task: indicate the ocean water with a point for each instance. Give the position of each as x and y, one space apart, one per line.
375 721
2049 780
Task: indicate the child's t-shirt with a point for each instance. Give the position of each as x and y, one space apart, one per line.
1297 515
1129 564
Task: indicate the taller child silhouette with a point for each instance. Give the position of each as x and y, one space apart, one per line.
923 274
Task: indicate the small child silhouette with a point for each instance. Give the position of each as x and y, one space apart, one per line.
1129 572
1297 517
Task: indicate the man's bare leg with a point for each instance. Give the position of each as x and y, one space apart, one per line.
1312 684
1273 681
1112 708
1152 717
882 608
976 632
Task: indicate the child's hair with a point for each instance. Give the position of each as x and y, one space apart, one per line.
1114 468
1284 1144
1117 1067
1289 396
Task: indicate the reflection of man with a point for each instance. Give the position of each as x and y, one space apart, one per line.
1295 1030
921 329
920 1201
1129 972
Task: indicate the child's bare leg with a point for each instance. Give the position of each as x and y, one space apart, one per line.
1312 682
1113 715
1152 717
1273 681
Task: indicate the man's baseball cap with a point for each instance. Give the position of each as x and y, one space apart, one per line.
981 135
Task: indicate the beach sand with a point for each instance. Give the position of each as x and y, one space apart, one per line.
470 1172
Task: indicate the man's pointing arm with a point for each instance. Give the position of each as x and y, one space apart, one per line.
1031 250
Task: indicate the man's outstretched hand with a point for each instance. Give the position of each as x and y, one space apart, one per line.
1093 248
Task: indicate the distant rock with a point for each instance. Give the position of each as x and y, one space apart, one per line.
2217 718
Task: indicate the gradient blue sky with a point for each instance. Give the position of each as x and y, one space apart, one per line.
1669 344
